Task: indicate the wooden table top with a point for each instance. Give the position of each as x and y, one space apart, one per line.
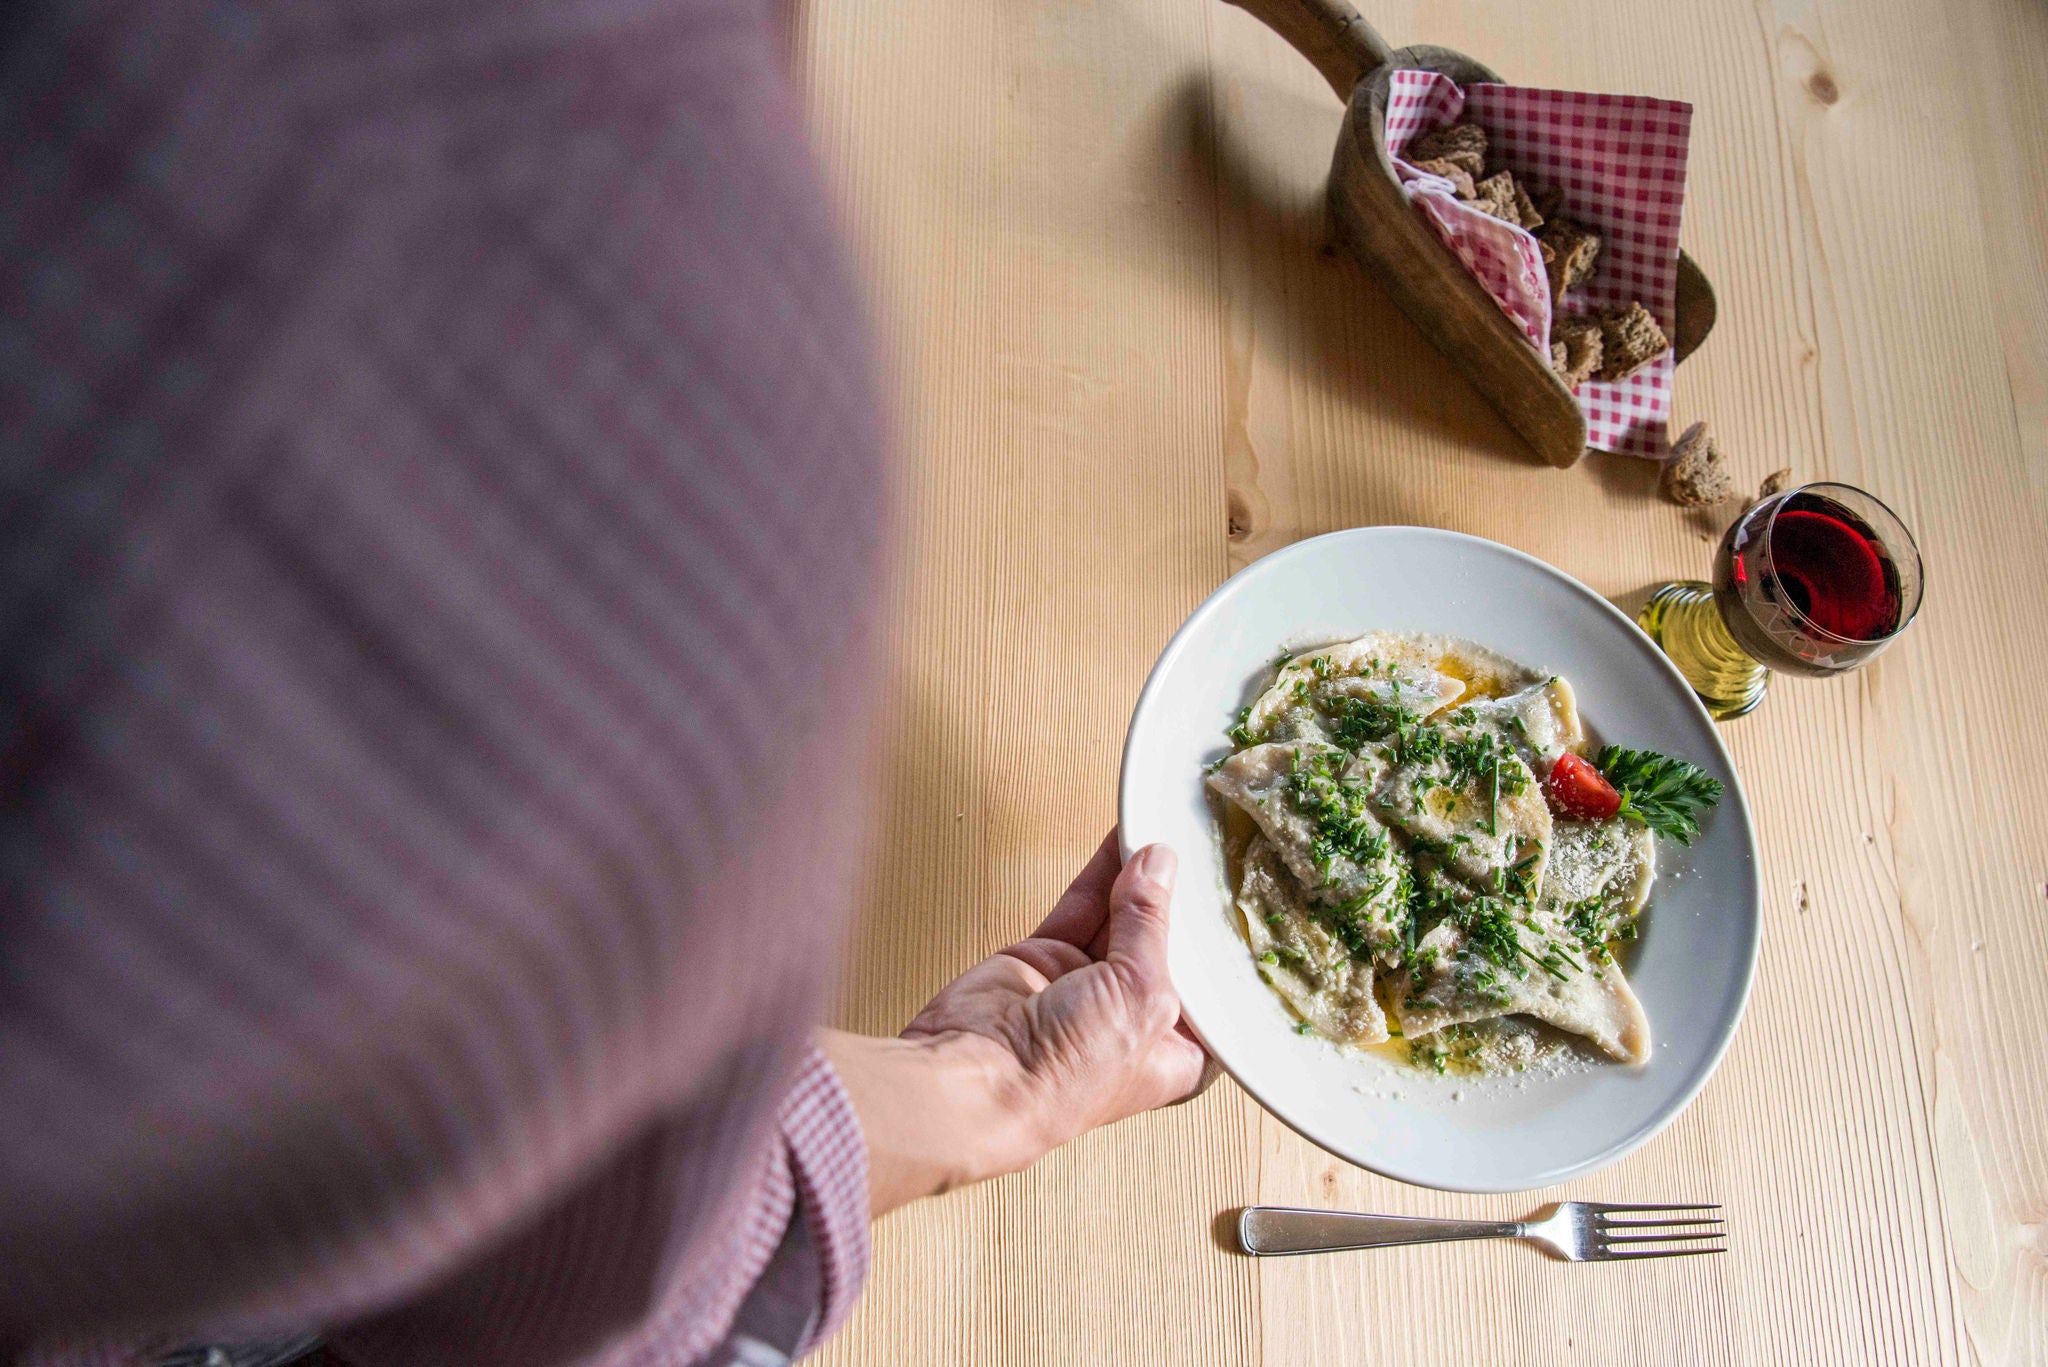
1123 368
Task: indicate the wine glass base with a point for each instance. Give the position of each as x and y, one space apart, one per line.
1681 617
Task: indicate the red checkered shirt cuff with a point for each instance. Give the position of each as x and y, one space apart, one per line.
828 1156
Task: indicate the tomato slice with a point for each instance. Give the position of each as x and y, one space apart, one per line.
1576 789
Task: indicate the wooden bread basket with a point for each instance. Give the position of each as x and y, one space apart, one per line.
1376 224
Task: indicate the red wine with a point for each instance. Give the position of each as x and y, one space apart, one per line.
1832 567
1811 585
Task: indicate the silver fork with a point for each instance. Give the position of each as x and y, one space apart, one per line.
1578 1231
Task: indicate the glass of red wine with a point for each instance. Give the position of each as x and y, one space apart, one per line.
1815 581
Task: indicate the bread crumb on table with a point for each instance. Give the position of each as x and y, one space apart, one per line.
1695 475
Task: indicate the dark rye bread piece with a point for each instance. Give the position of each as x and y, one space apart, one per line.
1496 196
1526 211
1629 340
1458 176
1461 144
1575 345
1577 249
1508 200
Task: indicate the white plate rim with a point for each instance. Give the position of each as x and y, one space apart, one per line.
1735 802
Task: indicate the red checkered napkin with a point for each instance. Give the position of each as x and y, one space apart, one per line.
1619 161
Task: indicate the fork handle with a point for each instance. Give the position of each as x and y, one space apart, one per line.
1268 1230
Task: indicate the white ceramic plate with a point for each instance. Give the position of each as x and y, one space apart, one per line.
1692 967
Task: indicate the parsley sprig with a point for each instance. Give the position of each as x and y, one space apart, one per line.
1664 794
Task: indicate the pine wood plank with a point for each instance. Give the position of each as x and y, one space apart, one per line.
1123 368
1043 300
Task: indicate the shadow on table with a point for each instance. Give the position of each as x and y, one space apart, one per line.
1300 294
935 812
1632 602
1629 477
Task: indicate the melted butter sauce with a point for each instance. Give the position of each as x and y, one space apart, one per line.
1478 682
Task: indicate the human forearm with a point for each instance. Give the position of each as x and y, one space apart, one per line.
1070 1028
930 1112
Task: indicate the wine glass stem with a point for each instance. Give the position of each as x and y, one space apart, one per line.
1682 618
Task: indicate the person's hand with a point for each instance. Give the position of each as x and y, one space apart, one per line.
1075 1027
1078 1026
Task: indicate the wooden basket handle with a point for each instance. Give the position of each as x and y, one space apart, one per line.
1331 34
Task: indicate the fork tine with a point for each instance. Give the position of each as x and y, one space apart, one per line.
1603 1210
1621 1255
1667 1238
1658 1224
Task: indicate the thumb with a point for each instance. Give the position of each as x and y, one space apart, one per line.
1139 902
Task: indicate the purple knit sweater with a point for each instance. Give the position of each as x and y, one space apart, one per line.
439 507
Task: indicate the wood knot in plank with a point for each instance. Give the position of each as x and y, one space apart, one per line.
1239 515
